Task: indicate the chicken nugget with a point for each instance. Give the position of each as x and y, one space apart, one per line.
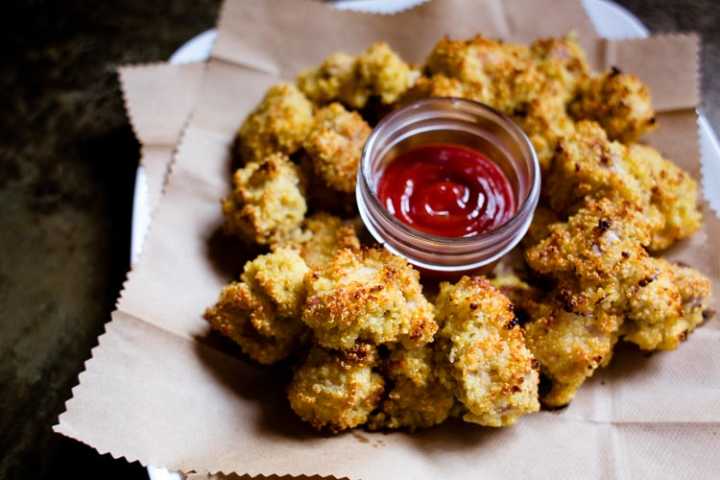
335 144
561 60
336 390
619 102
571 334
322 235
324 83
368 295
487 364
665 303
595 244
673 193
261 313
278 124
378 72
418 399
267 201
587 163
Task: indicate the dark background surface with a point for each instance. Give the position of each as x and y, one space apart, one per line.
67 168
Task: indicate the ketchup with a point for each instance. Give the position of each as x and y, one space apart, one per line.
447 190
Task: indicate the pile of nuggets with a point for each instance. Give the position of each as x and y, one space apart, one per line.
367 346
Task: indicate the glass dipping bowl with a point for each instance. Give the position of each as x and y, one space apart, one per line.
459 122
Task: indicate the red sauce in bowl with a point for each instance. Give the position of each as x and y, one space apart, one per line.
447 190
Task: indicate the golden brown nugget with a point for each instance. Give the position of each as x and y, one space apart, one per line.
620 102
369 295
487 364
595 246
561 60
418 399
261 313
571 334
278 124
335 144
588 164
545 121
380 72
322 235
664 304
336 390
377 72
267 201
673 193
324 83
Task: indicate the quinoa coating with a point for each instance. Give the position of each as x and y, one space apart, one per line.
561 60
267 201
260 313
336 390
620 102
664 305
367 295
477 60
540 226
571 335
278 124
586 163
278 277
322 235
673 194
546 122
324 83
595 245
335 143
439 85
417 398
378 71
487 364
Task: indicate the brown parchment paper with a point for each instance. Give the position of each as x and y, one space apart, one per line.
159 391
158 100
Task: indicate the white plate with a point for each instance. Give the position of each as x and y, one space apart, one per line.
610 20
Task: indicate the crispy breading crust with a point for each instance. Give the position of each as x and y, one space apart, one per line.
620 102
368 295
335 143
278 124
377 72
487 364
336 390
417 398
260 313
571 337
322 235
673 194
267 201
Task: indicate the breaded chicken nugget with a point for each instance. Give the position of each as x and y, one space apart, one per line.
620 102
267 201
561 60
378 71
440 85
336 390
571 334
586 163
664 304
595 244
368 295
261 313
673 192
322 235
478 60
545 121
335 144
487 364
278 124
324 83
417 399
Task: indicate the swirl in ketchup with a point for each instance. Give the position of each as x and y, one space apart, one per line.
447 190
